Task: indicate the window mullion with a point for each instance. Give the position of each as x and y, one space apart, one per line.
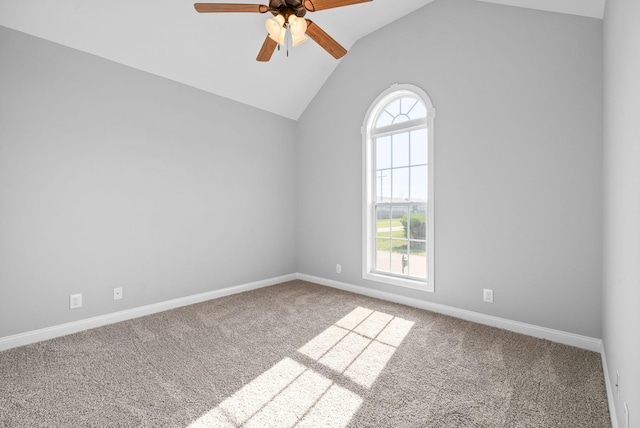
393 129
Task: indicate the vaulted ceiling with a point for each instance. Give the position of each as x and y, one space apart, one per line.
216 52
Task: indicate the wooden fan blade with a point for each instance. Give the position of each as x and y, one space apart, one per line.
315 5
267 49
325 40
230 7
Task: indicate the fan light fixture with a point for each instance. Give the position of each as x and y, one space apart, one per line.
288 26
277 29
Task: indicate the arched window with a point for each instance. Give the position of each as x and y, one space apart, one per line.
398 188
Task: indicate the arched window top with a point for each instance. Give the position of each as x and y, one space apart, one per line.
401 109
398 225
398 105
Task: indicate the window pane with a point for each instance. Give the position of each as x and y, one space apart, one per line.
399 256
383 152
393 108
418 183
400 146
418 111
383 185
397 213
400 184
383 226
384 119
400 118
415 223
417 266
383 255
419 147
407 104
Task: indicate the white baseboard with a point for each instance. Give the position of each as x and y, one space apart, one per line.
558 336
34 336
584 342
610 391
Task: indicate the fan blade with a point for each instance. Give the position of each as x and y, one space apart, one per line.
267 49
315 5
325 40
230 7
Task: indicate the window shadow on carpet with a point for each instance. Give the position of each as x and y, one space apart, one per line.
292 394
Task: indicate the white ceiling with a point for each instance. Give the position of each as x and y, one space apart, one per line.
216 52
588 8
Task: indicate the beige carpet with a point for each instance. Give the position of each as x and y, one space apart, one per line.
299 354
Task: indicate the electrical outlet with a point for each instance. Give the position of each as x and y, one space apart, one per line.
75 301
626 416
487 295
117 293
338 268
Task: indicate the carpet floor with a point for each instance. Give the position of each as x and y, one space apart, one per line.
303 355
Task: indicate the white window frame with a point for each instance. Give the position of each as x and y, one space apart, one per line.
370 221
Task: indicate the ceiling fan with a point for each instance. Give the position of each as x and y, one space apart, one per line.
288 22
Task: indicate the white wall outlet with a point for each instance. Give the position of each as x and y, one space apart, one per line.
338 268
75 301
626 416
117 293
487 295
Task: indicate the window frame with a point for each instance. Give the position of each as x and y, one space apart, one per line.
369 202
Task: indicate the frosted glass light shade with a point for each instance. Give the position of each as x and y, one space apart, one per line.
296 40
275 28
298 25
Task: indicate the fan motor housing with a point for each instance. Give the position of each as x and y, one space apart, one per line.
287 8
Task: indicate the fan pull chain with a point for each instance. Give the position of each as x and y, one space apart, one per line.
286 37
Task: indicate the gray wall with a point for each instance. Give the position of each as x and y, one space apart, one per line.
518 149
113 177
621 288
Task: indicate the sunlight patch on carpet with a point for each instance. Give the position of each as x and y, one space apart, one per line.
360 345
290 394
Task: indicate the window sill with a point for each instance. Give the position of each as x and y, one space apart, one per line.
399 282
